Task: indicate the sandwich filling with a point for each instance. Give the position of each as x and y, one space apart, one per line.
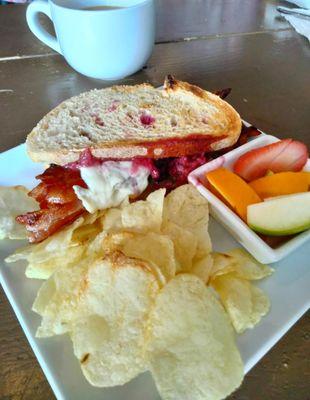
110 183
92 184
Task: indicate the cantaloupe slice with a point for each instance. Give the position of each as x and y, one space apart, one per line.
307 175
280 184
233 190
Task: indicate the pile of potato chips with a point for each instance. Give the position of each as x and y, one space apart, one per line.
138 288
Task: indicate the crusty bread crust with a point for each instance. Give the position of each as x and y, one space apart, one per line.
61 135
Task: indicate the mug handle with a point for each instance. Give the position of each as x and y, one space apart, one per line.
32 16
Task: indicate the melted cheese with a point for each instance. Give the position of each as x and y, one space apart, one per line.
110 183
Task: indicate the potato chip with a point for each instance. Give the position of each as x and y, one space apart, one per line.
185 206
189 210
113 241
22 253
144 216
68 257
240 262
43 270
140 216
245 303
58 299
248 267
112 221
95 247
61 249
44 296
109 339
203 267
86 232
223 263
191 347
157 250
185 245
13 202
49 248
153 248
66 275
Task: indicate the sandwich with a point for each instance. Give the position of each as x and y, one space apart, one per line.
106 146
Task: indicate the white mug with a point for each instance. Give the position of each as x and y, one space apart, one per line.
109 43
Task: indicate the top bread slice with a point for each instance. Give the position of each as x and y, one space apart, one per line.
122 122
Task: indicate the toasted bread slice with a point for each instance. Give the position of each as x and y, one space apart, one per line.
135 121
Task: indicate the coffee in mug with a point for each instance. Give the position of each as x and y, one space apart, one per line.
99 39
100 8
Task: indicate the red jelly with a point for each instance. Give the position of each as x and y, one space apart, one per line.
86 160
164 172
147 119
99 121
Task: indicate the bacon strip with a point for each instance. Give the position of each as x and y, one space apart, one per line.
223 93
59 205
43 223
246 133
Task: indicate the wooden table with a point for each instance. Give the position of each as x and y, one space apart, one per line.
242 44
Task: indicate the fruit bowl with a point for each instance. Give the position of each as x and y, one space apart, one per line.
249 239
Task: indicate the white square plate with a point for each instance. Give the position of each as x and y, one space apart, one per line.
288 289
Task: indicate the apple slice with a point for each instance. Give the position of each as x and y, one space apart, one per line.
284 215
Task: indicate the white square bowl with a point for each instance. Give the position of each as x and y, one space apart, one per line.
235 226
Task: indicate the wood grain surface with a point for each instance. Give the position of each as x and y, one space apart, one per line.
268 90
176 20
215 44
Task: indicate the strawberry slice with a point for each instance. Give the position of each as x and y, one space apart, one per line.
285 155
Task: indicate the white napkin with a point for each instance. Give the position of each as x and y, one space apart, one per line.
300 24
301 20
300 3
